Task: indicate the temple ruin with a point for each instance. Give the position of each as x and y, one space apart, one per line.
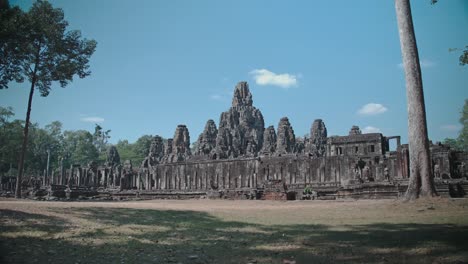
241 159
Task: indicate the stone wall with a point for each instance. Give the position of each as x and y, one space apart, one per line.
253 173
241 158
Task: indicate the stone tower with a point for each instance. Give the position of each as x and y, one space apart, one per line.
240 128
286 140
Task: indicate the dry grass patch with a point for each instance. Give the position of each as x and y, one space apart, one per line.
206 231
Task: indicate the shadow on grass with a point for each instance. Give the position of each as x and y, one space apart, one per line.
118 235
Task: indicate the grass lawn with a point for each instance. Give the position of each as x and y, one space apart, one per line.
215 231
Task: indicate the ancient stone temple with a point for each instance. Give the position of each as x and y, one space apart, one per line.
318 138
286 140
240 128
180 145
206 142
156 153
241 159
269 141
113 157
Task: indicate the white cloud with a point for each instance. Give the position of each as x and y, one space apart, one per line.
450 128
216 97
371 129
425 63
266 77
372 109
92 119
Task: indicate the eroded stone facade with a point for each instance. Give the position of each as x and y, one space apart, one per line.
241 156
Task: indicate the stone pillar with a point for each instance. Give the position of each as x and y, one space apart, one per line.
60 175
70 176
147 184
78 176
159 181
139 181
228 178
106 178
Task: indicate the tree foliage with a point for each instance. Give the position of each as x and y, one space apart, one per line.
464 57
64 147
11 133
79 148
101 138
11 26
461 142
41 141
135 152
463 137
142 146
36 46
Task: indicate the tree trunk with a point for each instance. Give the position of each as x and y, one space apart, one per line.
25 141
421 182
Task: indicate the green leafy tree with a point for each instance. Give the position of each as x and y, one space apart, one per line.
46 53
452 143
10 139
11 26
44 149
78 148
461 142
126 150
464 57
5 114
36 156
142 146
54 130
43 142
101 138
135 152
463 136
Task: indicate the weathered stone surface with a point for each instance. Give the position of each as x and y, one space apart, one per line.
240 128
355 131
128 165
168 147
180 145
206 142
269 141
300 145
127 173
156 153
113 157
286 140
223 148
339 162
242 95
318 138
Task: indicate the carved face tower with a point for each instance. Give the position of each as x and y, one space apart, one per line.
207 140
318 138
242 95
241 127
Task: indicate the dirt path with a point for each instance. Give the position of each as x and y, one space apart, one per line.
289 212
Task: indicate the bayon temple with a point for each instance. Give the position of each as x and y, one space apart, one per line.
241 159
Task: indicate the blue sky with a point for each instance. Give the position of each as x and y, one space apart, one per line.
163 63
